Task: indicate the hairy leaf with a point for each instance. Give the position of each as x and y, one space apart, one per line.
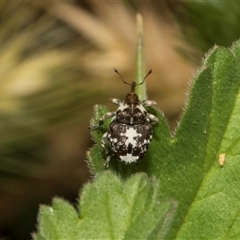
110 208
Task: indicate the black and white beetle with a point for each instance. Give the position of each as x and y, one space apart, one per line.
130 131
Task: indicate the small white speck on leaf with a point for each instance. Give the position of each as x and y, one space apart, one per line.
221 159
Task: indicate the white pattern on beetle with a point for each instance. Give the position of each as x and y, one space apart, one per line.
122 107
129 158
141 108
131 135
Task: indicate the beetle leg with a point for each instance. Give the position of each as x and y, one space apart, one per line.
148 103
102 119
106 164
152 118
103 143
115 101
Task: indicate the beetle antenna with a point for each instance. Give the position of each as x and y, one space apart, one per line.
116 71
131 84
149 72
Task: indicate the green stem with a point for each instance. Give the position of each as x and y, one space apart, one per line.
140 72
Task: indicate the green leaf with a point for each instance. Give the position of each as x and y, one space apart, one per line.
216 205
58 221
187 164
110 209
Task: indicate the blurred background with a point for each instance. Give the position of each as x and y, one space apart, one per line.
56 62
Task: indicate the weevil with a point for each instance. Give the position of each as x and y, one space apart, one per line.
130 131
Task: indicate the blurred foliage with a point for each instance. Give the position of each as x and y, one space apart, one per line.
40 86
206 23
42 96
